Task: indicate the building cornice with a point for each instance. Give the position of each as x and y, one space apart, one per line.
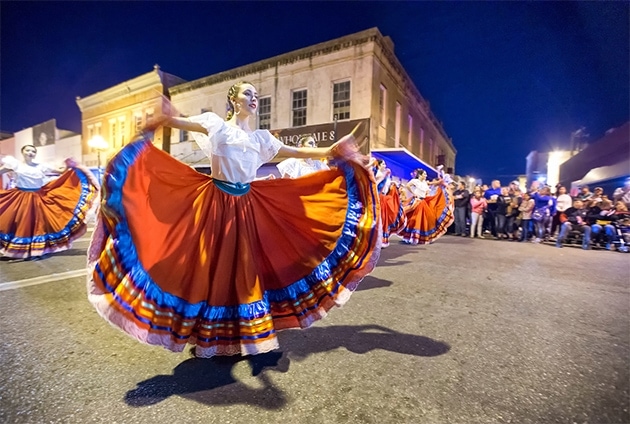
324 48
338 44
133 86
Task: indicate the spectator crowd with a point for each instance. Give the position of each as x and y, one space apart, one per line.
538 214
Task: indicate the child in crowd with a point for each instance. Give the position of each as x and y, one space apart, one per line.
478 205
526 208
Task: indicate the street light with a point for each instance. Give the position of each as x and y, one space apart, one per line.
99 144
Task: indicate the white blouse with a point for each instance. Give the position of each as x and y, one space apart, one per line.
27 176
235 155
294 167
419 188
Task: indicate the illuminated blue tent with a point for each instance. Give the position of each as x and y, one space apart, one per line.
402 162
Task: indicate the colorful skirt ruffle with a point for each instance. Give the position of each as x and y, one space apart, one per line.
428 219
175 259
393 218
48 220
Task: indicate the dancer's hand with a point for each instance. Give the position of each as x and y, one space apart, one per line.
348 146
71 163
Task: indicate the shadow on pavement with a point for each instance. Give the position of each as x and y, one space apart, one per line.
210 381
370 282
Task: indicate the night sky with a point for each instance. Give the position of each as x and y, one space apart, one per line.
503 77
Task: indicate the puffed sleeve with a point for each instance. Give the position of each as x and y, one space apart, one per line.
269 146
10 162
213 123
287 167
210 121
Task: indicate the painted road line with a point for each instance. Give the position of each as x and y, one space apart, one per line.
43 279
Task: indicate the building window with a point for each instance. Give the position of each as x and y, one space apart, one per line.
397 125
382 105
421 146
90 129
121 128
341 100
97 129
299 108
137 123
264 113
409 130
431 150
184 136
112 132
148 115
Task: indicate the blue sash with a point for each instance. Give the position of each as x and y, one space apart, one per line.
235 189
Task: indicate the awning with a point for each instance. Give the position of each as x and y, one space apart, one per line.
605 173
402 162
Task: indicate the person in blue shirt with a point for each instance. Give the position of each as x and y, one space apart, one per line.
491 195
544 209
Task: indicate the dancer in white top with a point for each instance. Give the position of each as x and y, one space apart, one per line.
298 167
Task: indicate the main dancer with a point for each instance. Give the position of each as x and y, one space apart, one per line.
224 262
37 219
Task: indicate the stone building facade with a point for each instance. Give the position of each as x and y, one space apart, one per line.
119 112
321 89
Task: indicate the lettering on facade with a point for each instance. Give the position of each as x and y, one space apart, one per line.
325 134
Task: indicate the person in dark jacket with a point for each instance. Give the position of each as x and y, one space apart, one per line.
462 201
576 218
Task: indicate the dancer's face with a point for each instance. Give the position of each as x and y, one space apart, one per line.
29 153
246 100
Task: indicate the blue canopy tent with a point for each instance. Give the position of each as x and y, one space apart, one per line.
402 162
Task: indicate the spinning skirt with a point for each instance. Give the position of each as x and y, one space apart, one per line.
393 218
428 219
176 260
38 222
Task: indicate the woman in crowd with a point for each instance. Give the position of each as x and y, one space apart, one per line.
298 167
428 217
224 262
503 202
39 218
526 208
563 202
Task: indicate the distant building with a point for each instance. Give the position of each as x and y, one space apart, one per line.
324 90
605 163
119 112
544 167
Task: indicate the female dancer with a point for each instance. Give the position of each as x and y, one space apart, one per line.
393 219
36 218
428 217
295 167
224 262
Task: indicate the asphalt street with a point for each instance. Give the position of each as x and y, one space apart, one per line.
461 331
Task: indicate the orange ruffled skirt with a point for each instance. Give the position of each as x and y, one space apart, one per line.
175 259
428 219
48 220
393 218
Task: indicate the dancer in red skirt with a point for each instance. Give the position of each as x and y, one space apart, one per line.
36 218
224 262
393 218
428 217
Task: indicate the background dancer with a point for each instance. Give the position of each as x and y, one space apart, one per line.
393 219
428 217
195 266
37 218
297 167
